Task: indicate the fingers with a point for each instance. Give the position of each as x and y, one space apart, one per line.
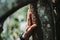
29 19
29 31
32 27
34 20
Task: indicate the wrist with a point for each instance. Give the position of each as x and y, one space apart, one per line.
25 35
21 38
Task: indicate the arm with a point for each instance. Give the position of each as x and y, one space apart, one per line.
27 34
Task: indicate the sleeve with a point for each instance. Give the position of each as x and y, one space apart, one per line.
20 37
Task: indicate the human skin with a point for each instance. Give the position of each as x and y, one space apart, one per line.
30 27
29 31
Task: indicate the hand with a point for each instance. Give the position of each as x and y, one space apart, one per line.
28 33
30 27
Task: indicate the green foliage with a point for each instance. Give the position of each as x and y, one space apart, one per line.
11 27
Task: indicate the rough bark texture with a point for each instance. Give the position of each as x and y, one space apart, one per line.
57 5
47 19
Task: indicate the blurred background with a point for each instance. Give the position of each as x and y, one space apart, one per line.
15 24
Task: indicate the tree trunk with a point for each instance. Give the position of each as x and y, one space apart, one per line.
47 18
